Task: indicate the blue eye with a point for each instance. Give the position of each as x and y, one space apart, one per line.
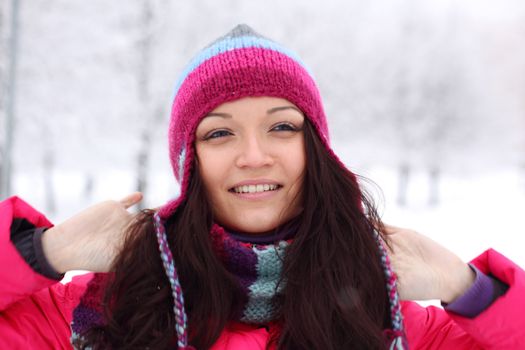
284 127
217 134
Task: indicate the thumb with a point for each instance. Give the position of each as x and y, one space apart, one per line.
131 199
390 229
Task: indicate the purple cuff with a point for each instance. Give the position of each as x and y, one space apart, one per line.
476 299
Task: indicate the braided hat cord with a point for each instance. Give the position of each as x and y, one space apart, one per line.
176 290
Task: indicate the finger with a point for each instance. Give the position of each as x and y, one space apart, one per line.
389 229
131 199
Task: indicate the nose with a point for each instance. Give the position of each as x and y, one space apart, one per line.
253 153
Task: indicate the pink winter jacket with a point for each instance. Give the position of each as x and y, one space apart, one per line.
35 312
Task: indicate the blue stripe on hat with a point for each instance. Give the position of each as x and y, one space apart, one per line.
230 44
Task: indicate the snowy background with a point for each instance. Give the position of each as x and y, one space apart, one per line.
425 98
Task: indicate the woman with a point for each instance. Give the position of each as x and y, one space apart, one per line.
271 243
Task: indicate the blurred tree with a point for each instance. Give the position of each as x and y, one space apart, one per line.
8 92
426 89
3 87
96 83
150 106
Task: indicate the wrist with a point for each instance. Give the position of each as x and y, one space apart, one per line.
55 249
458 283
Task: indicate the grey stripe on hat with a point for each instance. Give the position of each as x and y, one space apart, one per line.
239 31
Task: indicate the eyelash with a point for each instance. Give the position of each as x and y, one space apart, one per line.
213 134
290 127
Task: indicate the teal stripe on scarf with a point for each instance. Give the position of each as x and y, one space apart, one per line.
261 307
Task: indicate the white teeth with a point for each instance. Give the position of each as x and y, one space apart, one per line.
255 188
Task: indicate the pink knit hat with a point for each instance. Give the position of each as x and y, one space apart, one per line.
242 63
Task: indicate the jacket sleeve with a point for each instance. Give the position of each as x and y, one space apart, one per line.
500 326
18 278
35 311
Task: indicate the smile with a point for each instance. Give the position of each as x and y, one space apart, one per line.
255 188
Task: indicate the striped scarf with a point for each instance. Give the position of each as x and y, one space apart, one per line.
257 267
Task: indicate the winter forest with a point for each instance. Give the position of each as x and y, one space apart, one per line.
426 101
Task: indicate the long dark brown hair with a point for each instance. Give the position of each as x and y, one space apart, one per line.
334 294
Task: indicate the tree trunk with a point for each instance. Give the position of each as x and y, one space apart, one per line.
2 195
521 174
89 186
433 191
142 164
403 182
144 98
49 187
5 184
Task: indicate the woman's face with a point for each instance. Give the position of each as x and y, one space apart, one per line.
252 161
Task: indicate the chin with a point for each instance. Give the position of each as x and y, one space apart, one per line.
254 225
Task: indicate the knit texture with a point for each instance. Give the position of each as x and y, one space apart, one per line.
240 64
89 312
176 290
244 63
258 270
257 267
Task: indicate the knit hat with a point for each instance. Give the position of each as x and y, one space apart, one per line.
242 63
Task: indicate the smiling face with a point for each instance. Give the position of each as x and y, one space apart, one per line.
252 160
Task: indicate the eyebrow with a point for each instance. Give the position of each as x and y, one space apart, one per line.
270 111
223 115
277 109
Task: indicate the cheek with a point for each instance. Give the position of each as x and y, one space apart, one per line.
293 161
296 161
212 170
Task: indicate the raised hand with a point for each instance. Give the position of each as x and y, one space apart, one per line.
91 239
425 269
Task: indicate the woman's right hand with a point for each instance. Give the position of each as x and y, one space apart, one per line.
91 239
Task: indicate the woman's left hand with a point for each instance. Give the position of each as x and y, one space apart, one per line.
425 269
